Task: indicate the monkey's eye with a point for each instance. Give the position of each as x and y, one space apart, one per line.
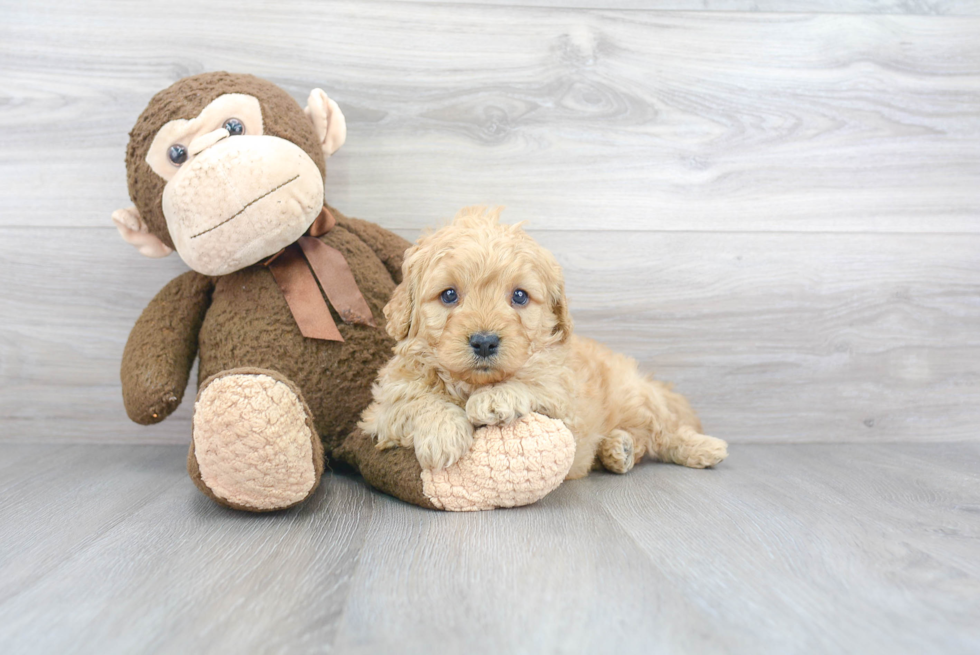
520 297
234 126
449 297
177 154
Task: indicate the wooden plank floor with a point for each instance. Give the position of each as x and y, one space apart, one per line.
861 548
773 203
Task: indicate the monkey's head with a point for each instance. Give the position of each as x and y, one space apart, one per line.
227 169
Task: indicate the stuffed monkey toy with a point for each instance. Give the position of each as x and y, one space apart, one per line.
284 308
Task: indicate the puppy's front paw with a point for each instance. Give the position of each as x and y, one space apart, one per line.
495 405
444 441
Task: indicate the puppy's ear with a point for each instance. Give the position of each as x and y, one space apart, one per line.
559 307
398 311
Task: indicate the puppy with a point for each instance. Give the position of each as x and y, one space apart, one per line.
485 337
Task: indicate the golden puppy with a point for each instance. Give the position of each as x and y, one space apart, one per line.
484 337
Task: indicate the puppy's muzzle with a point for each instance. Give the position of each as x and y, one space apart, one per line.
484 344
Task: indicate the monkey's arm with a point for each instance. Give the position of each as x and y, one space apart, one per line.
161 348
388 246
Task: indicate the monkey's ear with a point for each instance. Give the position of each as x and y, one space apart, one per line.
328 121
135 232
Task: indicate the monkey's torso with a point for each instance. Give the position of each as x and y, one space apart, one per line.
249 324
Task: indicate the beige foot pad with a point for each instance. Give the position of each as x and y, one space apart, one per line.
507 466
254 446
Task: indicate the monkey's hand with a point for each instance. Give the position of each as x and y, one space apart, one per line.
161 348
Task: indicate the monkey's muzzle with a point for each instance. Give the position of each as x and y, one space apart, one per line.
241 200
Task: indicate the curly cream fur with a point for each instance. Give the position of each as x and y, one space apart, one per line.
435 389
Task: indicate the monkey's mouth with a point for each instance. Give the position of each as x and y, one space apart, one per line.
242 210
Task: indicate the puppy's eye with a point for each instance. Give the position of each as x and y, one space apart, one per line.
449 297
520 297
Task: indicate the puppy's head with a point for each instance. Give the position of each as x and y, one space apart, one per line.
480 298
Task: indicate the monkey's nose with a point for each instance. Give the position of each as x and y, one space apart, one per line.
484 344
205 141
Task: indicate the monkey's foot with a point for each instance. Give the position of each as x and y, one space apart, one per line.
507 466
254 446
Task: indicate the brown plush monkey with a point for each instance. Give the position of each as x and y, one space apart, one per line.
228 170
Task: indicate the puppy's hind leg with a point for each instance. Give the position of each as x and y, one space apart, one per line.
688 447
617 452
676 431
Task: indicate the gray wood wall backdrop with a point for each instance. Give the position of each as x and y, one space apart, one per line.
775 205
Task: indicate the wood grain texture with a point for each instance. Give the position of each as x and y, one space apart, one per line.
783 548
914 7
162 565
777 211
774 337
638 120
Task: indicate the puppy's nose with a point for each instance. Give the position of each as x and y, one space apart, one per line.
484 344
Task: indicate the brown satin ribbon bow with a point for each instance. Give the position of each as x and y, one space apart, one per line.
299 266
